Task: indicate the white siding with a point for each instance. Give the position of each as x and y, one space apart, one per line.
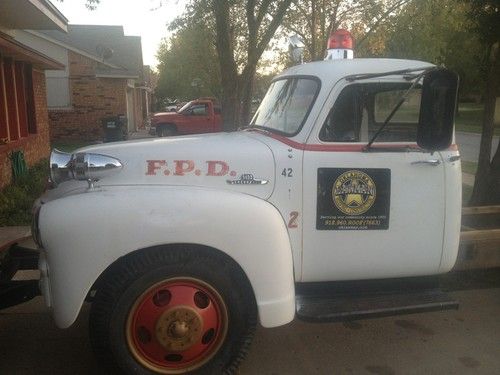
58 93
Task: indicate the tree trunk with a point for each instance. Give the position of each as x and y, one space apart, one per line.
228 70
230 105
235 85
246 94
487 185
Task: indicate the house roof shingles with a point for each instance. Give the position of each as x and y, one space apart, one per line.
94 39
31 14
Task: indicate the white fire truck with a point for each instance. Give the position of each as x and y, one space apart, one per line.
339 201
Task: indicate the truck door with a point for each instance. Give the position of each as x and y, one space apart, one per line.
200 120
374 213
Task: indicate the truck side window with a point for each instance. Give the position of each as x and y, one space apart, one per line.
403 126
344 119
200 110
361 109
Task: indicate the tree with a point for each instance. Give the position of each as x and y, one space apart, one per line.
256 21
313 20
486 16
188 64
242 30
437 31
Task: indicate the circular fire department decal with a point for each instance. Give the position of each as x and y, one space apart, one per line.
354 192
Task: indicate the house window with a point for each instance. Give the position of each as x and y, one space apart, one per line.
17 105
30 98
4 133
57 91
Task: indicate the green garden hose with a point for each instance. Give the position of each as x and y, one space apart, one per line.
19 167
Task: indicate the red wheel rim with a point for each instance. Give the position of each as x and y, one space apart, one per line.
177 325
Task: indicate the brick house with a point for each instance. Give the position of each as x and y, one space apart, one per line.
104 77
24 122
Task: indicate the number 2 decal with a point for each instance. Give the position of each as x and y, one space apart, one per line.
287 172
292 223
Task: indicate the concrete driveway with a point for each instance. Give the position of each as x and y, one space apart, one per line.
466 341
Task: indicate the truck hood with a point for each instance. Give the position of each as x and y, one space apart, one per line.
161 114
231 161
165 116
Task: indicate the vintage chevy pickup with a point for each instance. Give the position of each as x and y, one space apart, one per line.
338 201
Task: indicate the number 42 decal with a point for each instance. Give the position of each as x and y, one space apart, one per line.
287 172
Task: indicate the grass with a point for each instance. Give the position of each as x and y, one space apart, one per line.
469 118
469 167
466 194
17 199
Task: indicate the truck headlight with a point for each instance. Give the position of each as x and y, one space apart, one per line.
59 166
81 166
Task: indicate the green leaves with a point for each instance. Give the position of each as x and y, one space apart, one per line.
17 199
188 65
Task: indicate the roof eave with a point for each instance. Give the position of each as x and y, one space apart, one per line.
120 76
53 13
73 49
19 51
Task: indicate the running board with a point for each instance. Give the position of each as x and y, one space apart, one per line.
317 308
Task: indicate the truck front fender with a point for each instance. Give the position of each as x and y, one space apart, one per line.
85 233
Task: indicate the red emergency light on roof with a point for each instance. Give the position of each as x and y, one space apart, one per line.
340 45
340 39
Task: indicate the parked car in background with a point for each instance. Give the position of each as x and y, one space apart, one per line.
171 107
197 116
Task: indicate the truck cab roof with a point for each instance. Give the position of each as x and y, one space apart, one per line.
330 71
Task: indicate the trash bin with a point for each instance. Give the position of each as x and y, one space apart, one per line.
115 128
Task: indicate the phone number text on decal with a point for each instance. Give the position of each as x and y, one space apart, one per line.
353 223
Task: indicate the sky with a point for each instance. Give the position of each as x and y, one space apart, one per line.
136 16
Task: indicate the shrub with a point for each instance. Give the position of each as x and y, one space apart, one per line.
17 199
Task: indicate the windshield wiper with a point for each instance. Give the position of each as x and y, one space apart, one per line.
357 77
397 106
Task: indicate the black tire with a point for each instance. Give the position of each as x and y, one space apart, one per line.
166 131
131 279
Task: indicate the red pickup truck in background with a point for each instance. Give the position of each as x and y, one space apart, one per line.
197 116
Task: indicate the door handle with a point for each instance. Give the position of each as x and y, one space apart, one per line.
433 162
453 158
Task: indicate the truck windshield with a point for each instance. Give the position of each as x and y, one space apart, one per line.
286 105
184 107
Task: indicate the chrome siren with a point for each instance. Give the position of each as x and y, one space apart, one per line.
81 166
